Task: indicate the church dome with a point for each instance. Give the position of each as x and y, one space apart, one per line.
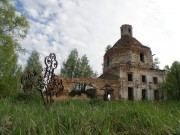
127 51
127 41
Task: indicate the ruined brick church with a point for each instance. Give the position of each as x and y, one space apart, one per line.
128 70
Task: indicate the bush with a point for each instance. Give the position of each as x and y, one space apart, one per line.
27 97
91 93
8 87
74 93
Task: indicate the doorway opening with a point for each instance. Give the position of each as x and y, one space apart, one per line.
130 93
156 94
144 94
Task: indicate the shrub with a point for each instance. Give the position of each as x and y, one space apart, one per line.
91 93
27 97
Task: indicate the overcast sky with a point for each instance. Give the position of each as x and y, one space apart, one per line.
59 26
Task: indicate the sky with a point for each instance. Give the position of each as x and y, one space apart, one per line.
58 26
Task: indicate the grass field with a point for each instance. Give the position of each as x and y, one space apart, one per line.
26 115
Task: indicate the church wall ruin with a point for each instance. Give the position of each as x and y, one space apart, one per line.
129 57
69 83
127 69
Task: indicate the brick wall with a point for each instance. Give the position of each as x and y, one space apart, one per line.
69 83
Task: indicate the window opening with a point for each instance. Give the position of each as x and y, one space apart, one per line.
107 61
155 80
130 76
141 57
143 78
129 30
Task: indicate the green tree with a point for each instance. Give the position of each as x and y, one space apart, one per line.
71 65
75 67
156 63
13 28
108 47
172 83
34 63
166 68
85 69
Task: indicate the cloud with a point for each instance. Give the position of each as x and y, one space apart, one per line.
58 26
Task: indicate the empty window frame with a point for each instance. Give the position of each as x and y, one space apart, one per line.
107 61
130 93
142 57
129 30
144 94
130 76
156 94
143 77
155 80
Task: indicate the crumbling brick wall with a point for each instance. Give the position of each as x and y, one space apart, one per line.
129 56
98 84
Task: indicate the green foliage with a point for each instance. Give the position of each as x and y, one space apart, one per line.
172 83
91 93
85 70
13 28
71 65
76 67
10 84
74 93
81 117
108 47
166 67
34 63
156 63
9 71
33 97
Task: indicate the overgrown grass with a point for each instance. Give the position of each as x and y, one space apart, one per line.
76 117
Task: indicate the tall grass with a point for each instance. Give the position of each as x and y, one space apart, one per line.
76 117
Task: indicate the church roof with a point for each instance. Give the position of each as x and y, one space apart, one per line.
128 41
108 76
